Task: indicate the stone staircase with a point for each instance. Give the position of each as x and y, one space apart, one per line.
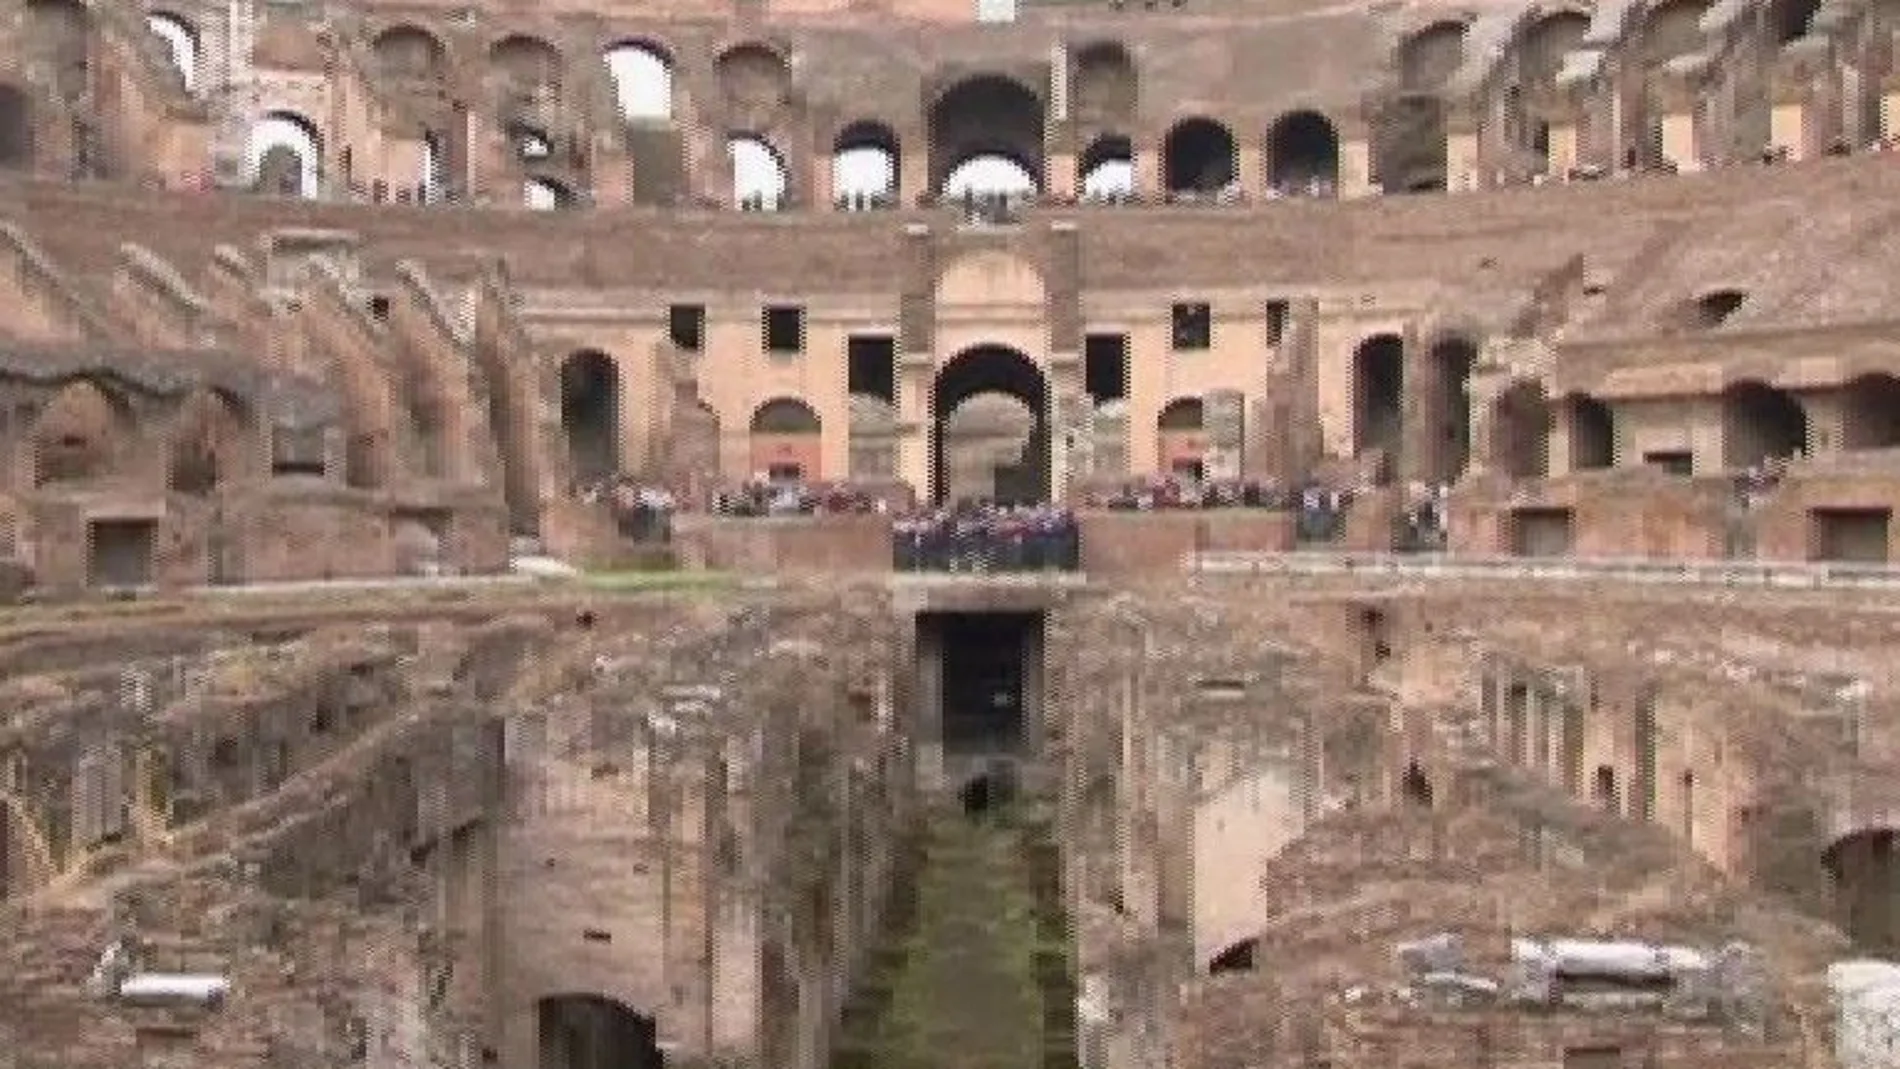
974 972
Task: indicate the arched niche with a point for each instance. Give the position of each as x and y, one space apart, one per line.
754 80
1863 871
526 62
1199 155
1761 423
1181 439
1429 58
1409 150
994 369
1452 360
546 195
1303 155
986 116
410 53
1546 42
1870 412
589 1031
590 414
1592 425
82 434
1671 29
787 440
209 435
284 155
1105 88
642 75
1520 431
1378 392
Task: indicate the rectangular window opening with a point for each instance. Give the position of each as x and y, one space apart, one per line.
784 329
1193 326
1277 313
686 326
871 366
1105 366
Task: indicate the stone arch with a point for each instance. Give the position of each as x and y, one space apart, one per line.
16 129
1672 28
1303 154
866 162
590 414
986 116
994 369
1408 154
60 34
1199 156
526 62
1790 20
787 441
1545 44
182 44
208 436
1235 957
1520 431
408 52
1592 426
760 179
1106 89
642 75
1452 360
1863 870
1106 170
588 1031
1181 438
544 194
1378 395
1760 423
284 155
1870 412
1429 58
755 82
82 434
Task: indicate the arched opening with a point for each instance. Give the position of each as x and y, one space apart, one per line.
759 179
546 195
594 1032
16 129
1198 156
865 162
1106 90
1107 169
1864 874
994 369
1238 957
1429 58
1303 155
1408 154
643 82
787 441
590 415
181 43
1870 412
81 434
1378 393
1592 432
531 145
207 435
526 63
1761 423
986 117
1520 432
1416 786
284 156
990 176
1603 790
1672 29
1452 362
1546 44
409 53
1181 440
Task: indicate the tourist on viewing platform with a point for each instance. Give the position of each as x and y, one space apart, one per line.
641 511
981 536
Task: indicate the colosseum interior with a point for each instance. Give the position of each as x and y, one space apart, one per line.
932 534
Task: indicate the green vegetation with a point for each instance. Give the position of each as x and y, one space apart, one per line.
968 977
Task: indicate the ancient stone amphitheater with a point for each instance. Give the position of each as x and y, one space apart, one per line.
1526 708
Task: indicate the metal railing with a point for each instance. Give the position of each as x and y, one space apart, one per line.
1726 573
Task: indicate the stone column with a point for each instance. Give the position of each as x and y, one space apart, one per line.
1681 133
1461 151
916 367
1224 416
1419 444
1355 159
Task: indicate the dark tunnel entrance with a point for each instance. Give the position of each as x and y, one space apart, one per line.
989 671
595 1032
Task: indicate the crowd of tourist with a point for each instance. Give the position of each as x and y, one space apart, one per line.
760 496
981 536
644 513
